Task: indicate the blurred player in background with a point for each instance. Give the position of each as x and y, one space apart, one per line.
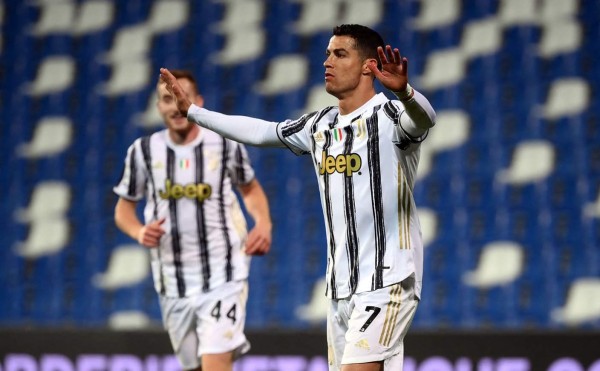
365 152
195 229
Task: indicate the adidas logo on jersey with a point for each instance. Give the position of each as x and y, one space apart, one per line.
363 344
342 163
176 191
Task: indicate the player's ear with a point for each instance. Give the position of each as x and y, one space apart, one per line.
369 61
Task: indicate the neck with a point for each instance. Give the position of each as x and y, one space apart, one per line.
184 137
355 100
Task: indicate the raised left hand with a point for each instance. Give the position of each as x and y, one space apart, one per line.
394 74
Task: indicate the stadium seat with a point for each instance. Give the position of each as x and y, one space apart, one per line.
429 225
94 16
500 263
566 97
365 12
592 209
436 13
481 38
240 15
55 74
52 135
129 76
128 265
517 12
316 310
443 68
582 303
532 161
285 73
558 10
560 37
316 16
130 43
168 15
45 237
56 17
128 320
241 45
50 199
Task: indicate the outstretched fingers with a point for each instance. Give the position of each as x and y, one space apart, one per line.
183 103
382 56
389 55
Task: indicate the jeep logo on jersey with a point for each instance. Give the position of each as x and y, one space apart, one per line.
199 191
343 163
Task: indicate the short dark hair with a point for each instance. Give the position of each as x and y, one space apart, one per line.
186 74
366 39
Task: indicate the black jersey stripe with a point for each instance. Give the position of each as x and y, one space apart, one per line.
350 216
391 111
145 144
201 221
132 173
176 242
323 112
296 126
239 168
374 162
329 217
222 217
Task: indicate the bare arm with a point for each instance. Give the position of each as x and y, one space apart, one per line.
127 221
255 200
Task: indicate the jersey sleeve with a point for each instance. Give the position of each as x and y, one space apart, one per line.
240 167
133 179
410 128
296 134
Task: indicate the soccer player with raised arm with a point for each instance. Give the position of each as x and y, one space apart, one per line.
195 229
365 153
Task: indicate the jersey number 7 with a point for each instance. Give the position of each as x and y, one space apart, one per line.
376 311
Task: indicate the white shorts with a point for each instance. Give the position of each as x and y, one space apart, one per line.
370 326
210 323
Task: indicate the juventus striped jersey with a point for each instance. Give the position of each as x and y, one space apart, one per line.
192 186
366 166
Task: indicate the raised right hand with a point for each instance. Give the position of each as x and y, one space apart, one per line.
183 102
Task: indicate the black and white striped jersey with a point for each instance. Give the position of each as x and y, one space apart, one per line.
366 166
192 187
